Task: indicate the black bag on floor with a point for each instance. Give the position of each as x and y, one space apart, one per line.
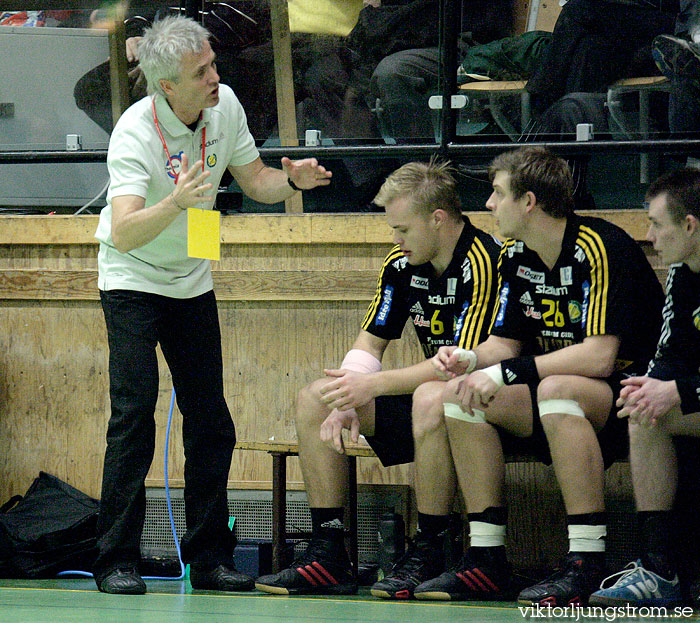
51 529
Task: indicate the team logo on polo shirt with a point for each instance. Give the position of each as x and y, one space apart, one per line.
211 160
173 167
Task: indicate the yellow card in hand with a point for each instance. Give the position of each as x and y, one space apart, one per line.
203 234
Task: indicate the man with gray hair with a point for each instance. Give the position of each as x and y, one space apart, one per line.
166 156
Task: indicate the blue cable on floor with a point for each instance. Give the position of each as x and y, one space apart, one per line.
87 574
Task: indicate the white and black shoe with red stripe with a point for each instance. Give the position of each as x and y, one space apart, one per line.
485 575
323 569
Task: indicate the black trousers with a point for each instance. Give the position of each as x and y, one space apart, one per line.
189 335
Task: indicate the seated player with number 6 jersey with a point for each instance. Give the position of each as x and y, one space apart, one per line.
441 276
580 306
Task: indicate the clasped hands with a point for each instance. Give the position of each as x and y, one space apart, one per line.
474 390
645 400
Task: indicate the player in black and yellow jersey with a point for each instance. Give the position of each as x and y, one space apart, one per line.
442 276
580 306
664 404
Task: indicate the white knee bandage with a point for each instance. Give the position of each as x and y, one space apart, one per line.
455 411
556 405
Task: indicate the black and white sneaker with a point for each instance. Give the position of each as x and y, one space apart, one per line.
421 562
580 575
323 569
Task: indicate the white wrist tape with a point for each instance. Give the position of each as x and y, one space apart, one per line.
468 356
455 412
495 373
557 405
360 360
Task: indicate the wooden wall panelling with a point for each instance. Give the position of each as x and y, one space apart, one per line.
52 402
275 284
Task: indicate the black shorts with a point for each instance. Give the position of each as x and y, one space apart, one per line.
613 437
393 434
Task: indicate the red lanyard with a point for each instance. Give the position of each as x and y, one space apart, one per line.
165 146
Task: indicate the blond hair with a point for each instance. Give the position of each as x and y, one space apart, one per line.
429 186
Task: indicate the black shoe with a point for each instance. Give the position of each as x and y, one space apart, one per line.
323 569
122 581
421 562
482 574
219 578
580 575
675 56
694 593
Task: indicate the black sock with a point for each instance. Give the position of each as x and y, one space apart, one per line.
493 514
432 527
655 528
327 523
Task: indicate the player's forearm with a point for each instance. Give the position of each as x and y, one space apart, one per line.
494 350
269 186
585 359
403 380
136 228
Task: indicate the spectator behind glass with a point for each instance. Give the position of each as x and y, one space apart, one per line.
594 43
678 58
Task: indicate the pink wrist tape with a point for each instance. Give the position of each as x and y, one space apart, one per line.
359 360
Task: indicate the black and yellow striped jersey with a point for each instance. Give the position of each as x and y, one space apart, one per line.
601 284
677 356
454 308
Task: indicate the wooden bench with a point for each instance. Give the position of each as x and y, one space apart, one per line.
280 450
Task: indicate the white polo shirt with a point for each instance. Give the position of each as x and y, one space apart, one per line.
138 166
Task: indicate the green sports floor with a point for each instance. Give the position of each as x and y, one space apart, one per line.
78 601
